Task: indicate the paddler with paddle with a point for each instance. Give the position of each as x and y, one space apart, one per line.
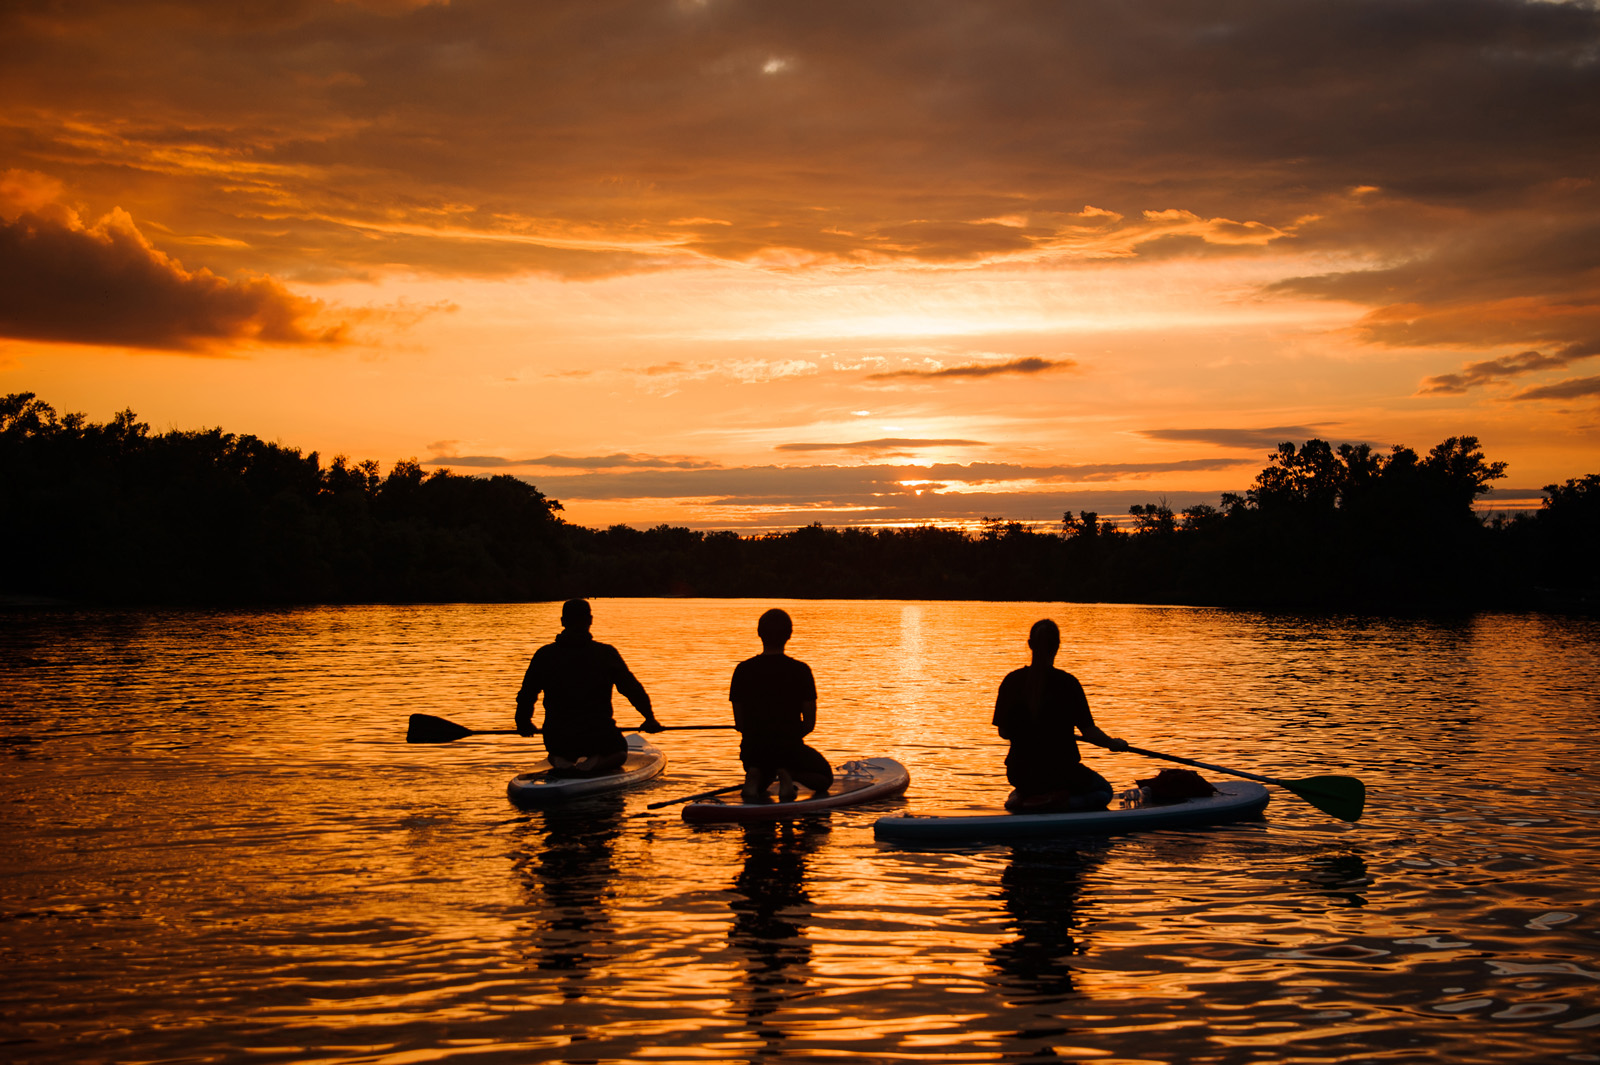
1042 710
576 674
774 706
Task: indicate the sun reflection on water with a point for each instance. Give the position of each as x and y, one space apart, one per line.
219 846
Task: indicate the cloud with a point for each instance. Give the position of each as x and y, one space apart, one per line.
63 280
1240 438
884 444
582 141
1028 365
768 497
837 485
1490 370
1573 389
1516 280
619 460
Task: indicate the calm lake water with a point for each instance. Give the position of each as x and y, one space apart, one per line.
218 847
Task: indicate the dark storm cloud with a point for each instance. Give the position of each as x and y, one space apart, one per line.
1240 438
883 444
583 139
1029 365
63 281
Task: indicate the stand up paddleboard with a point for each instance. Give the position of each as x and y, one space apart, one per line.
859 781
545 785
1234 801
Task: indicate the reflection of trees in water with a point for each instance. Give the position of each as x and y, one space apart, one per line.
563 857
769 923
1040 891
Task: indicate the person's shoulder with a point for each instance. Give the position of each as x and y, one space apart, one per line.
753 662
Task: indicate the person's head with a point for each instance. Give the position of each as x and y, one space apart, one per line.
575 614
1044 638
774 628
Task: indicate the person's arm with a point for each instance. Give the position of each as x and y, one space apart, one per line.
528 697
1002 714
634 692
1091 732
736 697
807 701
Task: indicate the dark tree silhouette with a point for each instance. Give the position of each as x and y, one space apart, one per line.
113 513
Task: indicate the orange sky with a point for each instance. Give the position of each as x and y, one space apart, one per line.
735 264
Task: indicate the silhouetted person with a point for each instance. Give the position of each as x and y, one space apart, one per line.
576 674
775 705
1042 710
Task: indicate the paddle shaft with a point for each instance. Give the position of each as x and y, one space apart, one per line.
664 728
692 798
1208 765
438 730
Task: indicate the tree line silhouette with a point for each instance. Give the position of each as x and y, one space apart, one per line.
114 513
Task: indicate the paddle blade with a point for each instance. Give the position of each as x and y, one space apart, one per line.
425 728
1341 797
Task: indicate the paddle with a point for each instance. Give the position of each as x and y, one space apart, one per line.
425 728
692 798
1341 797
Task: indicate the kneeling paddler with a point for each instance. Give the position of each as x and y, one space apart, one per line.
774 707
576 674
1042 710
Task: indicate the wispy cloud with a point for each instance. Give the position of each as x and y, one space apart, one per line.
1490 370
1576 388
1269 437
880 445
775 496
620 460
822 484
1029 365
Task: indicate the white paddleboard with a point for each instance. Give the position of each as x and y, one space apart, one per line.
538 788
862 780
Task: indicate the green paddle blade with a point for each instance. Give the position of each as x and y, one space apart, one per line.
425 728
1341 797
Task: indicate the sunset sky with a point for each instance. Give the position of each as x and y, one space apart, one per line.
746 264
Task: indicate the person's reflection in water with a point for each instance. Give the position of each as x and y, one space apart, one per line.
1040 891
563 857
769 923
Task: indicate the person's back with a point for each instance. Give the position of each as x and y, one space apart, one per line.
576 673
777 695
1042 711
774 701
